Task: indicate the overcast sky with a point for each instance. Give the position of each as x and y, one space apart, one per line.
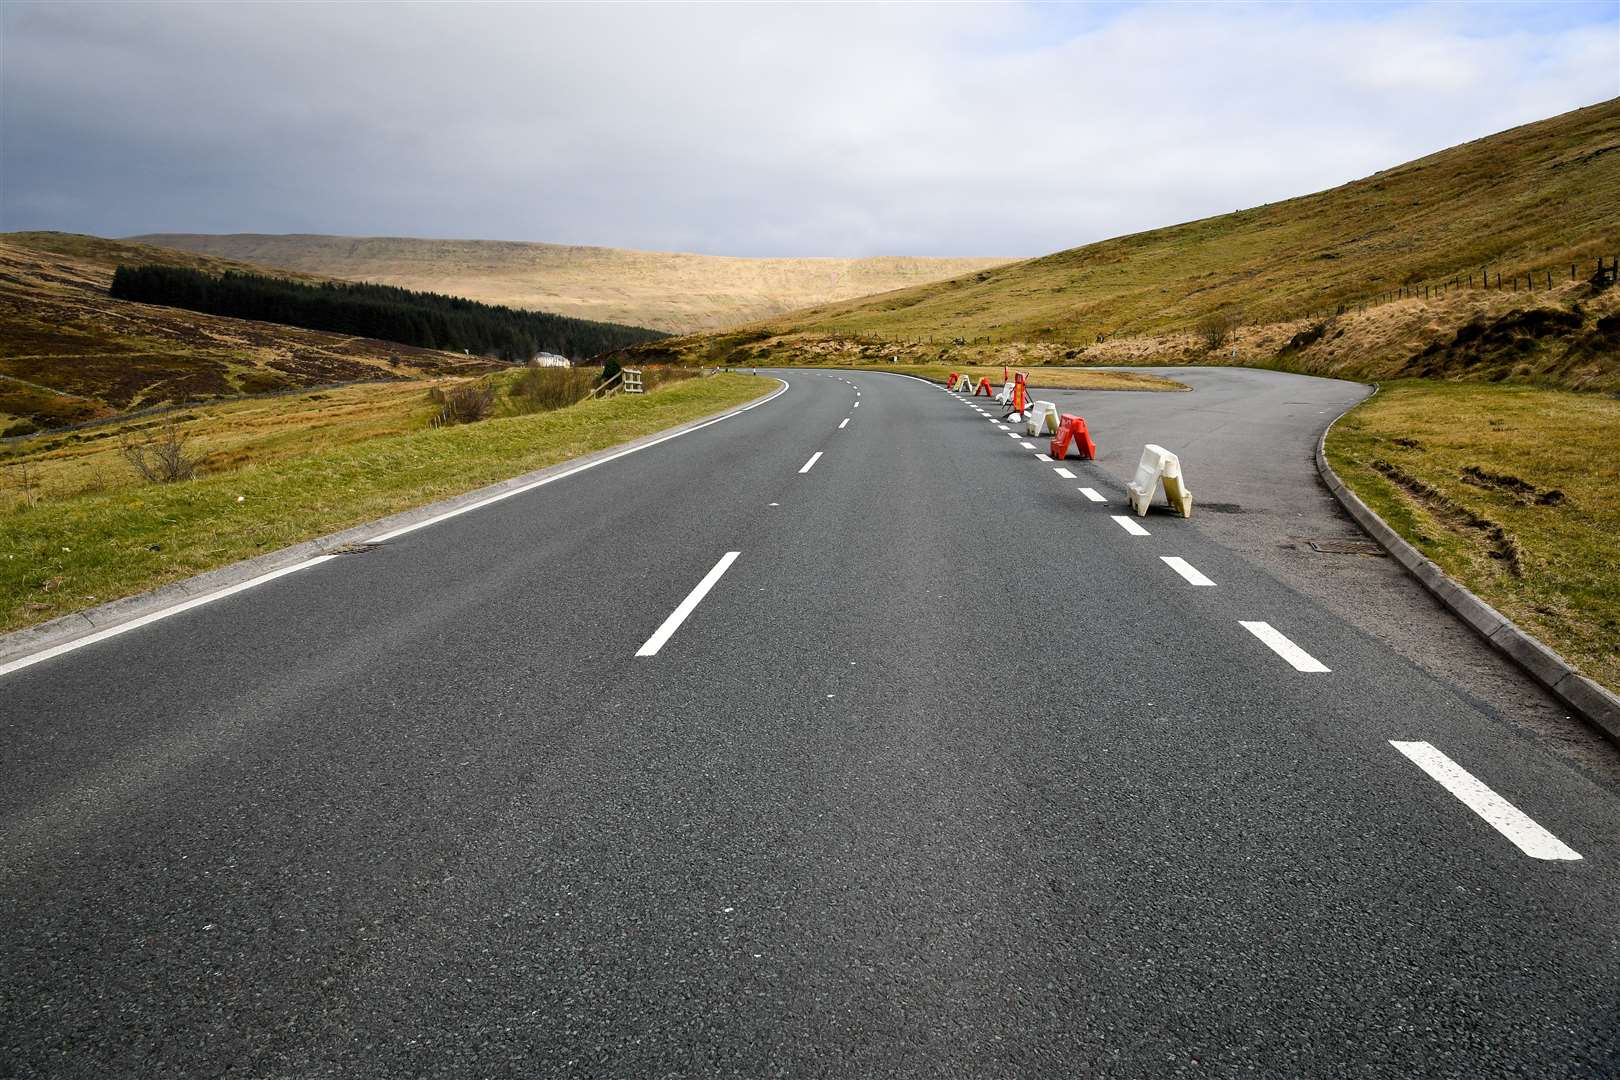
768 129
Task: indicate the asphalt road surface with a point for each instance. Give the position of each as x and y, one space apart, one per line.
844 737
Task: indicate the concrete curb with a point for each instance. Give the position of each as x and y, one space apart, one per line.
69 628
1581 695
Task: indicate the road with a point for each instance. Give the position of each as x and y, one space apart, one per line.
926 766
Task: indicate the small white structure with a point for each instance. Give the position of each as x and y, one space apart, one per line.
1157 466
1043 419
547 359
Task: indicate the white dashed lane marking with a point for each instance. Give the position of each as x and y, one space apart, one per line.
1043 457
1027 445
1092 494
843 424
815 457
693 598
1061 471
1500 814
1278 643
1129 525
1185 569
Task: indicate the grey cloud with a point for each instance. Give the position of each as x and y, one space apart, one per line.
773 129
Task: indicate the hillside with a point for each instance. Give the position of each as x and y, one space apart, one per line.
69 352
676 292
1538 198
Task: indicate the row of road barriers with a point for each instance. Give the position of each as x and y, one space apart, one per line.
1158 469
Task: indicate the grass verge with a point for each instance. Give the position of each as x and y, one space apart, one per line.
1512 490
61 555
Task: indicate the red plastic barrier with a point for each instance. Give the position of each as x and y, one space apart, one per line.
1073 428
984 388
950 383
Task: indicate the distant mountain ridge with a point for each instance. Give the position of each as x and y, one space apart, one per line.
673 291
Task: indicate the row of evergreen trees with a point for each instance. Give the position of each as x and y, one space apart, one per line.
427 320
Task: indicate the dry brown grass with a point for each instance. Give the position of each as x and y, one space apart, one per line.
670 291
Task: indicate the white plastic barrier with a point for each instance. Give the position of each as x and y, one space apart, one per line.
1042 419
1157 466
964 385
1005 397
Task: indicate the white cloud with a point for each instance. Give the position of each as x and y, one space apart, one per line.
769 129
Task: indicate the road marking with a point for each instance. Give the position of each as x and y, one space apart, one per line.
811 463
1043 457
1061 471
857 405
844 424
1000 425
1027 445
1092 494
144 620
1185 569
693 598
1279 644
481 503
1014 435
1129 525
1500 814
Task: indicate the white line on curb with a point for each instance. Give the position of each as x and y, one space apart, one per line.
812 462
1500 814
1185 569
1092 494
844 424
1279 644
693 598
1061 471
1129 525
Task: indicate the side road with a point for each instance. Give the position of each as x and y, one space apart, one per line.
1248 439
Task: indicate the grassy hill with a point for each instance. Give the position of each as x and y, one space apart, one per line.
1535 199
69 352
677 292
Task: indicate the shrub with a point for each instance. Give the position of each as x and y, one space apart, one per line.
541 389
464 404
1213 330
159 458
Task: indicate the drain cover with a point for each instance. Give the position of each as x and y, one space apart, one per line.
1346 547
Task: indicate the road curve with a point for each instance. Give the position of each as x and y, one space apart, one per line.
844 737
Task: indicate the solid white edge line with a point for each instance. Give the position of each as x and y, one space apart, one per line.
242 586
812 462
1093 494
481 503
1278 642
1061 471
1186 569
1501 815
844 424
1129 525
693 598
146 620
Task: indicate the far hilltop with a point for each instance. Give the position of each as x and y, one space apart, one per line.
673 291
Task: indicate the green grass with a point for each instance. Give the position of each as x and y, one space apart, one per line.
61 555
1492 456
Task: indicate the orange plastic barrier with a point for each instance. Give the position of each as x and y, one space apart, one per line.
1072 428
1020 400
984 388
950 383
